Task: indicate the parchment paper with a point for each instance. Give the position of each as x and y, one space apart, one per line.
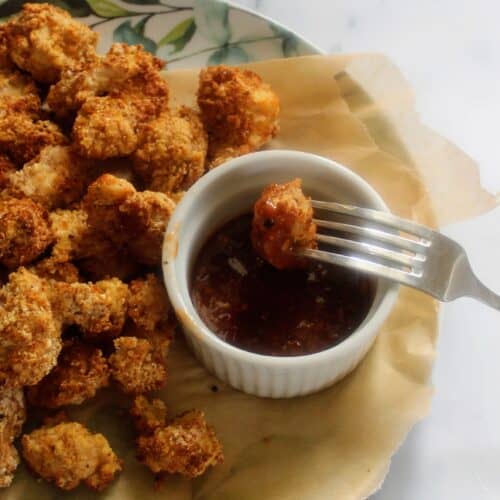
336 444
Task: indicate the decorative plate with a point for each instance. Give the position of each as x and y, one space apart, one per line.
187 33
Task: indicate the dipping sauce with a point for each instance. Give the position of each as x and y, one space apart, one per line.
252 305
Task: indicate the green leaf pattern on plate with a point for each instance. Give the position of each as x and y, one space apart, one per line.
178 30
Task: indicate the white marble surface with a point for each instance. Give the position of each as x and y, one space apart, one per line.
449 51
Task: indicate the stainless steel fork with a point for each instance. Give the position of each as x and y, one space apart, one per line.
399 250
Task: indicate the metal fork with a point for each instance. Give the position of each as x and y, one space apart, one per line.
398 250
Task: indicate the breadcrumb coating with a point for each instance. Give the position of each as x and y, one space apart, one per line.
56 178
148 415
29 332
18 93
283 223
68 454
239 111
136 366
172 151
24 232
12 417
51 269
69 228
186 446
106 127
7 168
5 60
23 139
44 40
99 309
80 372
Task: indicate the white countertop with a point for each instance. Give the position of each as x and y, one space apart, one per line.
450 52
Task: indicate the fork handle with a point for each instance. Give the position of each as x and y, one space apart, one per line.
482 293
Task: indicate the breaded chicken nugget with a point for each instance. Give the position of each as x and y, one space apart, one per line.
23 139
80 372
44 40
172 150
239 110
283 223
56 178
186 446
99 309
18 93
24 232
69 228
137 366
12 417
148 415
29 333
68 454
106 127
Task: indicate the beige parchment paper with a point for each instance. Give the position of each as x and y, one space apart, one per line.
337 444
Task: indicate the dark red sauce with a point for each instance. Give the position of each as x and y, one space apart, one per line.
252 305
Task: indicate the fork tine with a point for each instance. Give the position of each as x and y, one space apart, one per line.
376 251
376 216
363 265
375 234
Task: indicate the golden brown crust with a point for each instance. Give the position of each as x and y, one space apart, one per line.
24 232
56 178
7 168
172 150
106 127
148 415
98 309
282 224
18 93
51 269
68 454
80 372
186 446
23 139
12 417
29 333
136 366
239 111
44 40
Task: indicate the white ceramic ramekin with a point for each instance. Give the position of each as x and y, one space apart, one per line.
231 190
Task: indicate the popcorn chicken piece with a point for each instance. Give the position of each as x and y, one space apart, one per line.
24 232
23 139
186 446
282 224
99 309
240 112
44 40
106 127
68 454
12 417
125 71
80 372
136 366
172 150
18 93
70 230
56 178
29 332
51 269
148 415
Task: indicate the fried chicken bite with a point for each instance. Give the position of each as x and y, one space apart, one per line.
51 269
106 127
18 93
30 334
283 223
98 309
12 417
240 112
137 366
70 231
80 372
186 446
56 178
22 138
24 232
125 71
172 150
68 454
44 40
148 415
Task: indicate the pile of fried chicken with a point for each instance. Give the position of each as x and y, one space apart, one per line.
81 306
